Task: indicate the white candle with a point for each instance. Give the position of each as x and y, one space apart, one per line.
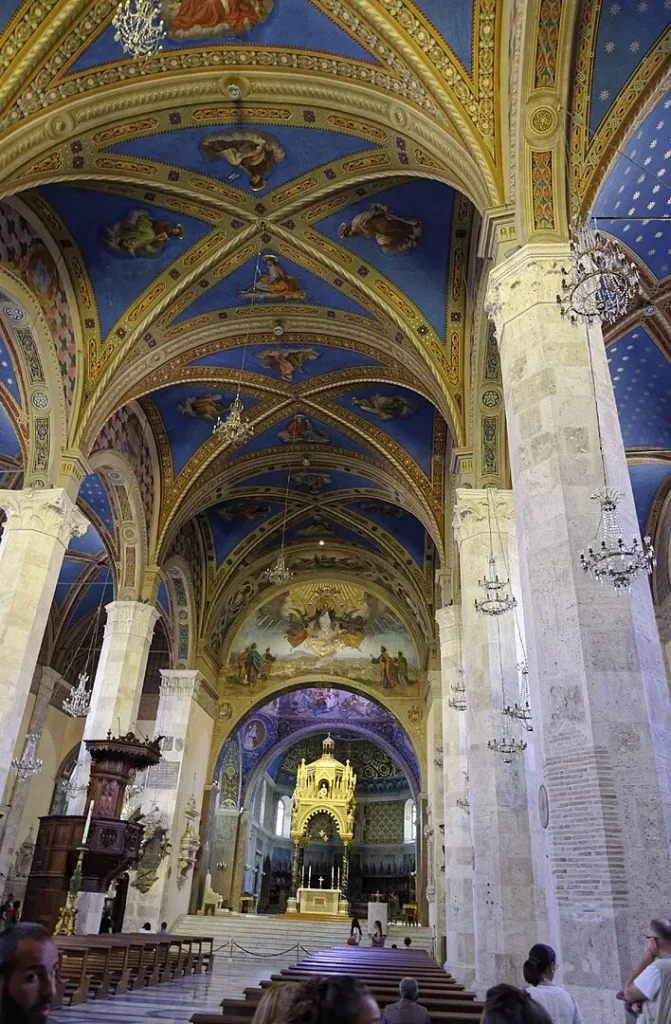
332 877
303 877
310 877
338 880
87 826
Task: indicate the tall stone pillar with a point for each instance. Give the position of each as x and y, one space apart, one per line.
35 536
503 874
47 680
599 692
185 719
459 924
434 829
117 687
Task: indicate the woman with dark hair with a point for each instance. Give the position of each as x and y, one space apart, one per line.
539 971
505 1004
377 938
339 999
355 933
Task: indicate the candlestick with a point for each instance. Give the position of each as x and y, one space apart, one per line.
87 826
310 877
338 879
303 876
332 877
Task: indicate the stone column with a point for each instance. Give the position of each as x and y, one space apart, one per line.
434 829
117 688
459 923
599 690
503 876
35 536
185 719
47 680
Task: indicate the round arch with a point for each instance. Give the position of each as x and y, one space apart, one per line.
413 772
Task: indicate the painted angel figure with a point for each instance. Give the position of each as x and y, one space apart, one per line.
286 361
204 407
140 234
386 407
254 152
395 235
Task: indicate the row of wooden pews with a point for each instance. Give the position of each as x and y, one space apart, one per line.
98 966
380 969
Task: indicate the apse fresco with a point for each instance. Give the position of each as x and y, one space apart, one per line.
330 628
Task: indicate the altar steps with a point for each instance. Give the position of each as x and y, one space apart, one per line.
265 935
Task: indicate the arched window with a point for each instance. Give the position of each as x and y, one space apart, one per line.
279 818
410 821
283 817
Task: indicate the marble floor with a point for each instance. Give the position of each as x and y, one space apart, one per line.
175 1001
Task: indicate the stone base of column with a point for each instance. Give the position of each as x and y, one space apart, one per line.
89 912
292 905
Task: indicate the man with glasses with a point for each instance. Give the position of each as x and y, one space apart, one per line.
650 984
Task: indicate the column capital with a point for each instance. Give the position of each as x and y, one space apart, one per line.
531 277
49 511
474 509
180 682
131 617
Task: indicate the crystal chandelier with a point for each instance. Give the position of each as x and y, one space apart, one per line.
601 282
521 712
78 701
279 573
78 781
458 698
28 764
233 429
496 600
612 560
507 747
139 27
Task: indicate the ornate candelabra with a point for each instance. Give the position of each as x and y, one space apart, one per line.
233 429
28 764
601 282
78 701
612 560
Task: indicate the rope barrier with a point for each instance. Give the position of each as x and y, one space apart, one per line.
292 949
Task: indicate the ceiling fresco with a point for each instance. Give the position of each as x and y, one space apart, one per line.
641 375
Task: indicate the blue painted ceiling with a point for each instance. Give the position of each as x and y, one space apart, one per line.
641 375
627 30
635 201
646 480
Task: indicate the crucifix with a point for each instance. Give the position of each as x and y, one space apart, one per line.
321 879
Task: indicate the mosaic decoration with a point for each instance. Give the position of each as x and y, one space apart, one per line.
383 822
335 629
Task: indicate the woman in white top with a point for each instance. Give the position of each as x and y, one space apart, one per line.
539 971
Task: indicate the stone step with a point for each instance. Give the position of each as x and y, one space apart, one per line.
263 935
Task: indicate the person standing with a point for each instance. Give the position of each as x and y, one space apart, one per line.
539 971
650 983
407 1010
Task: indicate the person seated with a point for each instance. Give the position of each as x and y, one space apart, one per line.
28 972
407 941
146 927
377 938
407 1010
539 971
649 987
505 1004
339 999
163 930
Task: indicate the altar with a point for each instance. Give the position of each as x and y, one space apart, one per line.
319 901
